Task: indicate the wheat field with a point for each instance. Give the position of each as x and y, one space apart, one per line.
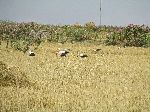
114 79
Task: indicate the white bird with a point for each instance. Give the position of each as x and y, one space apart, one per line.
62 52
82 55
31 53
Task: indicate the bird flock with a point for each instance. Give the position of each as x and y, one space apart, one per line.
64 52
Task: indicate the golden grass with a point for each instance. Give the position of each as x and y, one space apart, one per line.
111 80
13 77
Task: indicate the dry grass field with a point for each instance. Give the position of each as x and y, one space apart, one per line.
113 79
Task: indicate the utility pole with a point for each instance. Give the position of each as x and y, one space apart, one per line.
100 12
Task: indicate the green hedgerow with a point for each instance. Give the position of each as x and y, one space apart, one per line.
132 35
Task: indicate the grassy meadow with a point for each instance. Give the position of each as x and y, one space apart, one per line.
114 79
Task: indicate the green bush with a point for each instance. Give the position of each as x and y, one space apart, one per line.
15 33
146 40
90 26
132 35
20 45
22 35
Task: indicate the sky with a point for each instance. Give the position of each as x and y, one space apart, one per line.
114 12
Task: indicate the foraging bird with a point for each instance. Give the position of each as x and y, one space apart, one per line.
62 52
82 55
31 53
96 50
